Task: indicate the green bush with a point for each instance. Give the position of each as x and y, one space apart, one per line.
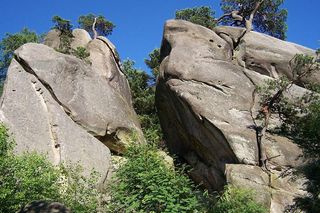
236 200
145 184
24 178
82 54
143 97
65 28
30 177
199 15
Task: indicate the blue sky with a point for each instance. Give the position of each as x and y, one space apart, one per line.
139 23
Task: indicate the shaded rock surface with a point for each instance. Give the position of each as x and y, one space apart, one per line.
207 104
44 207
63 107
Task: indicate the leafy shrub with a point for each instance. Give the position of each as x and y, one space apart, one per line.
235 200
30 176
24 178
198 15
143 96
82 54
144 183
78 192
65 28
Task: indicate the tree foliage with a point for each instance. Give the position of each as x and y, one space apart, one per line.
31 177
102 25
153 62
145 184
199 15
63 25
65 28
143 96
269 17
300 121
234 200
11 42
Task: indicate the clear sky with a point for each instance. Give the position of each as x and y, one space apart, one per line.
139 23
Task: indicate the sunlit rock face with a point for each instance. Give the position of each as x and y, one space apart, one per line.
207 104
67 108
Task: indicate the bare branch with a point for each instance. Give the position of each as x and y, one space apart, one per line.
249 22
222 17
95 34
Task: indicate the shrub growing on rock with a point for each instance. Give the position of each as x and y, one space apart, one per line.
235 200
31 177
144 184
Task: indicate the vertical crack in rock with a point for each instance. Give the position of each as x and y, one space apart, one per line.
56 147
115 58
257 128
28 69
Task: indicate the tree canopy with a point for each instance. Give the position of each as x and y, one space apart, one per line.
153 62
61 24
198 15
264 16
96 25
11 42
300 120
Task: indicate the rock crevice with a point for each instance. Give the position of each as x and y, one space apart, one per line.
207 102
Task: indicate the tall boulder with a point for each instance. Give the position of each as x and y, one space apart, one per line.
104 61
61 106
207 103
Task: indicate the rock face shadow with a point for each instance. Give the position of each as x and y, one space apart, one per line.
44 207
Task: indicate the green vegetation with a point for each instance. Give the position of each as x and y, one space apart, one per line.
264 16
143 96
30 177
65 28
102 26
81 53
267 16
300 122
198 15
8 45
144 183
235 200
11 42
154 63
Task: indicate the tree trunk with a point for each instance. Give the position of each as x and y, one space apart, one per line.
253 13
95 34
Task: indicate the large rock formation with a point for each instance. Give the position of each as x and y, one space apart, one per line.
207 105
68 108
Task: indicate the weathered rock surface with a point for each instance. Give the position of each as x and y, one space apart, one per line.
52 39
44 207
80 38
60 105
39 122
263 53
206 101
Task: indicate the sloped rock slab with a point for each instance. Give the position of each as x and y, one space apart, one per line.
207 107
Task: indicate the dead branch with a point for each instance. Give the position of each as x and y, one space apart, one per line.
95 34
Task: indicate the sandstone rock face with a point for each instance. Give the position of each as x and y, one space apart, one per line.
263 53
105 63
59 105
52 39
207 105
80 38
